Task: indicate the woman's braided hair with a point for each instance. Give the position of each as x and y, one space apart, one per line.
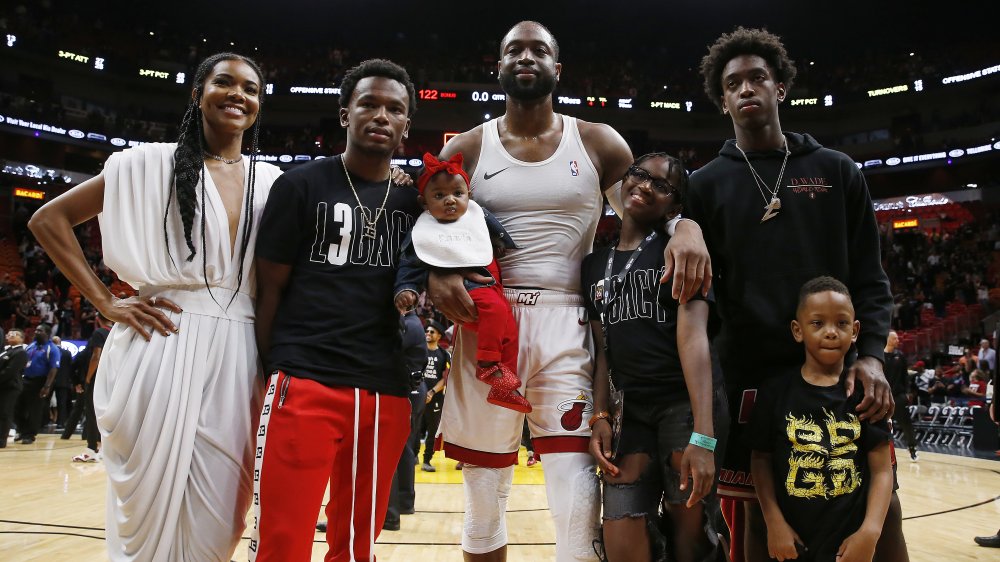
189 167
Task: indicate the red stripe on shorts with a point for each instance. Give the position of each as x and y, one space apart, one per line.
561 444
479 458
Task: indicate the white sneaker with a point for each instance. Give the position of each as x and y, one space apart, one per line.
88 455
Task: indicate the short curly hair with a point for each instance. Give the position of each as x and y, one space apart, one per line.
743 41
821 284
381 68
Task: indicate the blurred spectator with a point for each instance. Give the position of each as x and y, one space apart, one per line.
923 379
13 359
6 298
64 320
43 364
25 312
62 384
88 316
987 355
46 312
976 391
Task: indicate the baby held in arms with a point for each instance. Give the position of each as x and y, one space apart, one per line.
454 232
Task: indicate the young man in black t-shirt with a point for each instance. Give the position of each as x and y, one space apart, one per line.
657 354
336 408
823 476
438 365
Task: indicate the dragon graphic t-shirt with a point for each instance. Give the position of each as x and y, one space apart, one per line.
819 454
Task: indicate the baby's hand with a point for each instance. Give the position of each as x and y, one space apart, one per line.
406 301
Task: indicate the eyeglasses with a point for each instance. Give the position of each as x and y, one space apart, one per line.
641 176
430 331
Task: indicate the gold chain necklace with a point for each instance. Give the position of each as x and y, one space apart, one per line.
369 229
773 205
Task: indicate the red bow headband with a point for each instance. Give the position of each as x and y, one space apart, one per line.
432 166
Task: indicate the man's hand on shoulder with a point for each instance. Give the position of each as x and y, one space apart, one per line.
877 404
687 262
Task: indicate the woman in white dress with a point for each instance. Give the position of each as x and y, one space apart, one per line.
177 392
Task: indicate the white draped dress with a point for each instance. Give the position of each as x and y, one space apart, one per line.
177 414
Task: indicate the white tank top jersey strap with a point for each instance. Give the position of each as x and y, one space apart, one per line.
550 208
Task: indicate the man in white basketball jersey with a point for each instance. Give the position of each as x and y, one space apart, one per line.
542 174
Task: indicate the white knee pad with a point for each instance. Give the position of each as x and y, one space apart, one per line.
486 492
572 488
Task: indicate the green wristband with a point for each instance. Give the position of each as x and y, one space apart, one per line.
703 441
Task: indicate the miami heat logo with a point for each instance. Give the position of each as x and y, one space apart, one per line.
574 410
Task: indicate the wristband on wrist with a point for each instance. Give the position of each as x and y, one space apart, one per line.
703 441
602 415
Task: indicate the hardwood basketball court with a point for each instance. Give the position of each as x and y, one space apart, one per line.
52 509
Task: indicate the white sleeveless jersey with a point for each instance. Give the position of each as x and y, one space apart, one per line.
550 208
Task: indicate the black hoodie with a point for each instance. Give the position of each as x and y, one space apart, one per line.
826 226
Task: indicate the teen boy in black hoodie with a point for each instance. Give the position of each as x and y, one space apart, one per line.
776 210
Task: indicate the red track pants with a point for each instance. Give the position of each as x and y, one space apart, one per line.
496 328
311 434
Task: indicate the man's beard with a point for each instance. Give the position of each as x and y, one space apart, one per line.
543 85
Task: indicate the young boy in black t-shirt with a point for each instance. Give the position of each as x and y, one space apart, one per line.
657 354
823 477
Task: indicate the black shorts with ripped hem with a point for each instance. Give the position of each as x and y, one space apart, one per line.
656 430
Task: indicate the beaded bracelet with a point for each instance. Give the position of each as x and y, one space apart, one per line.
703 441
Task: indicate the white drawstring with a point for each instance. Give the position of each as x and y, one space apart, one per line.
354 466
371 550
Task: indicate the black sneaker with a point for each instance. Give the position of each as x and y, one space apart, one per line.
913 454
321 526
390 525
991 541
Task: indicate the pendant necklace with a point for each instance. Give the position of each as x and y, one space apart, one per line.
772 205
369 228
